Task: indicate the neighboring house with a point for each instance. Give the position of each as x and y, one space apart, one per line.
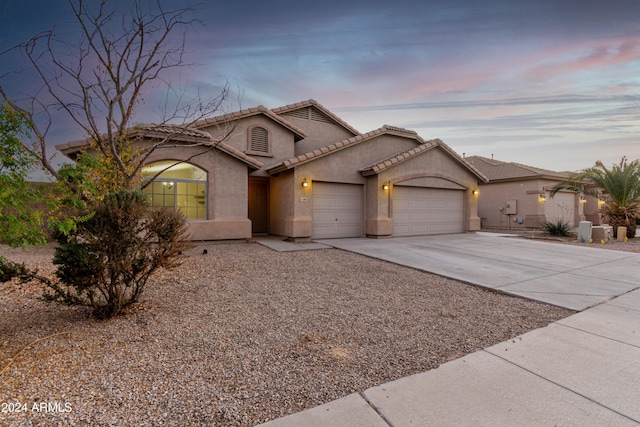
518 196
301 172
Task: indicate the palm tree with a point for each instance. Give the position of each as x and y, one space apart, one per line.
619 187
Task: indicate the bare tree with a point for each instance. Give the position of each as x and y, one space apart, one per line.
100 78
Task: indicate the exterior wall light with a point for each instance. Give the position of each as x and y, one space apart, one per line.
305 183
475 192
600 203
385 186
542 198
583 200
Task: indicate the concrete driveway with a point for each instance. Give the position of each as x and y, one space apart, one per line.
574 277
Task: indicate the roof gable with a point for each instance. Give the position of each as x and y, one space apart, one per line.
249 112
330 149
313 110
399 158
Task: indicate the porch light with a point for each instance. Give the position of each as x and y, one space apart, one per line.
542 198
583 200
385 186
475 192
600 203
305 183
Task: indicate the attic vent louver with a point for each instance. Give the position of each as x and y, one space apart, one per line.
259 140
302 113
317 116
308 113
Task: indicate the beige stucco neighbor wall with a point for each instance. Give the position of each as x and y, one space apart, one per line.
592 210
497 209
227 188
496 206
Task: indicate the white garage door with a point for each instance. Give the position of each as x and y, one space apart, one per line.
337 210
418 211
560 207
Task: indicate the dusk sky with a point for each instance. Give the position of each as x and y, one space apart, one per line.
553 84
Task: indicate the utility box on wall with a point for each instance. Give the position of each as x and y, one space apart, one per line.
510 207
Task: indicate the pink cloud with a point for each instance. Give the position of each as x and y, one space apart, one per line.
575 58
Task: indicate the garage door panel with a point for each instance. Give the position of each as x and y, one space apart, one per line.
337 210
419 204
420 211
324 216
353 204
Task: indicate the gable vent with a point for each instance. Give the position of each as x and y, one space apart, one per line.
259 140
302 113
317 116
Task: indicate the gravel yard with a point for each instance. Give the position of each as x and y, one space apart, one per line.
240 336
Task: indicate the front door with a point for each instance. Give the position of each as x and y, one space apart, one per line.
259 204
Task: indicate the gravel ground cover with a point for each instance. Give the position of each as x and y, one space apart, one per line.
240 336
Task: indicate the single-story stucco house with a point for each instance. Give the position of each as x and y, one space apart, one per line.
301 172
518 196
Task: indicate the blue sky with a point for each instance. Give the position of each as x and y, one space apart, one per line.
551 83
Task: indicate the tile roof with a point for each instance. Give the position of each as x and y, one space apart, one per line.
321 152
173 133
253 163
145 130
248 112
496 170
406 155
316 104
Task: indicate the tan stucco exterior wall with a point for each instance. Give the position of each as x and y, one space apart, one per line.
435 168
227 193
281 139
319 134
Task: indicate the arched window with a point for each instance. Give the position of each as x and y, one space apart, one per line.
183 186
259 143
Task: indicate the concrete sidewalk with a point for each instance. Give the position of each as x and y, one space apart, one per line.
583 370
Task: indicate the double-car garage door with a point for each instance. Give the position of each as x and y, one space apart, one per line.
338 210
418 211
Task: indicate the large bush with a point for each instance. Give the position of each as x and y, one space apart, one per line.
106 262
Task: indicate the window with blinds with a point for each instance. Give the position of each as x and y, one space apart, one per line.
259 141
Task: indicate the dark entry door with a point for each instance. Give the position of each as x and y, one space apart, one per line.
259 204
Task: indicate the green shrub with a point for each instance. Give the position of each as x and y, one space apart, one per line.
558 227
106 262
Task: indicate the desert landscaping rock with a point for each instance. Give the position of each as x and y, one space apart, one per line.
242 335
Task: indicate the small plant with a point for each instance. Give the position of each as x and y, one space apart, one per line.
106 262
558 227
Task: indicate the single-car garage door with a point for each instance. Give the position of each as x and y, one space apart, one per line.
337 210
418 211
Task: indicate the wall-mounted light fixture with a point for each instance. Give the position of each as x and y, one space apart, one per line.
305 183
475 192
542 198
600 203
583 200
385 186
